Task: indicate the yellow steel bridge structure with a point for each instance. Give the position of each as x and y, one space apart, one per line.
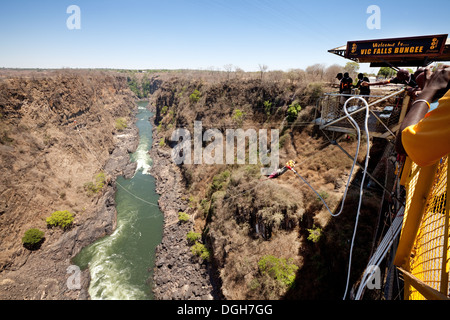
423 251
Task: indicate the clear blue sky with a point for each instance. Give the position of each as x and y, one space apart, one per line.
199 34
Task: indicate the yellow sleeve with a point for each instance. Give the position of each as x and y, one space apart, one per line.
429 140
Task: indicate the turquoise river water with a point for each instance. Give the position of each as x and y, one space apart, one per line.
119 264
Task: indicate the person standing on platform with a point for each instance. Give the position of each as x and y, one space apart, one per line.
363 90
345 88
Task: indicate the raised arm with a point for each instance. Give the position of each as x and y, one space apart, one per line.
434 83
379 83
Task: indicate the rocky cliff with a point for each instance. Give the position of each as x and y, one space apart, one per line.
265 239
57 133
178 274
256 239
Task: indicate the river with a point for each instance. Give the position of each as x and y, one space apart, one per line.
119 264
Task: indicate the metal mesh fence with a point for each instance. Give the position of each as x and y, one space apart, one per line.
384 111
428 261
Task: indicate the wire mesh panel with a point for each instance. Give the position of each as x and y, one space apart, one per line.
426 263
429 257
384 111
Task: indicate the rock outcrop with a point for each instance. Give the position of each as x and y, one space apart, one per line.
178 275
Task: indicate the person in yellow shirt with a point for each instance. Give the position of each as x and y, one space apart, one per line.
425 135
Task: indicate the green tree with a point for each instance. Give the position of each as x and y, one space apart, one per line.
134 86
121 124
95 187
386 72
352 68
238 116
146 87
315 234
218 182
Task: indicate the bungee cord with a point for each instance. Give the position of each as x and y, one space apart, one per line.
361 193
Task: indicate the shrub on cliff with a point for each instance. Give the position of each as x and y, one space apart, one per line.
282 270
219 182
183 217
63 219
33 239
268 107
195 96
192 237
293 111
201 251
121 124
94 187
238 117
315 234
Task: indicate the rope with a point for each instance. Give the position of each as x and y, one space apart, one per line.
361 192
267 179
135 196
358 131
351 171
306 182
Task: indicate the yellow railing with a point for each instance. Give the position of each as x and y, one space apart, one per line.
423 250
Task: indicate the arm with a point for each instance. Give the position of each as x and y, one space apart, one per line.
433 83
379 83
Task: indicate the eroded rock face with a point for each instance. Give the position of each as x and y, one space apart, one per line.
178 275
57 132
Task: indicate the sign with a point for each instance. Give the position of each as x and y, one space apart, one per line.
415 47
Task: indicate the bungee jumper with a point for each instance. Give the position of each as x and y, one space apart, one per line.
289 166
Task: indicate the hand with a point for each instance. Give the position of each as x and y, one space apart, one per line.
414 92
364 84
434 84
439 80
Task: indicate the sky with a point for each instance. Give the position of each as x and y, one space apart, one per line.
202 34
